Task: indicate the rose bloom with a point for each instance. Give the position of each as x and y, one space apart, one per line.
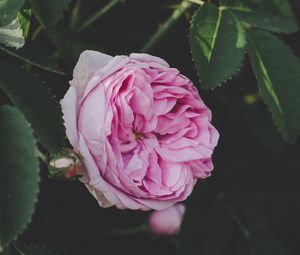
167 221
142 129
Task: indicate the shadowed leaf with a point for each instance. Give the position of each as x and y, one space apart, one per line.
18 174
218 42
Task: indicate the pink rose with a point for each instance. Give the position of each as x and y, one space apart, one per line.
168 221
141 127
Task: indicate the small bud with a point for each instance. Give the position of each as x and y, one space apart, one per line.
65 165
167 221
61 163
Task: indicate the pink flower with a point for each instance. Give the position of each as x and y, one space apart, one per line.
168 221
142 129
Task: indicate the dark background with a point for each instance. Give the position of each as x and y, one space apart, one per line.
250 205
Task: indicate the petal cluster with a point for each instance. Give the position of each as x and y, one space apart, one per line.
144 133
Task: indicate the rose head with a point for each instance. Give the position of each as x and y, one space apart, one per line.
167 221
142 129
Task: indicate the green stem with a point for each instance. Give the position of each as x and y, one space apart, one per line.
74 14
199 2
99 14
18 250
163 29
41 156
238 221
178 245
37 32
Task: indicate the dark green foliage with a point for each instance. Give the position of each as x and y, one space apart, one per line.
49 12
40 108
218 42
34 54
273 15
278 73
9 10
18 174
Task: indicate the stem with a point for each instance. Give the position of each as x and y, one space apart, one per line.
37 32
199 2
18 250
41 156
238 221
74 14
178 245
163 29
99 14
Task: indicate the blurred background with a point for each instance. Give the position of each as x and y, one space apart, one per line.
250 205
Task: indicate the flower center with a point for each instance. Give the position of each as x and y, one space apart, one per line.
138 136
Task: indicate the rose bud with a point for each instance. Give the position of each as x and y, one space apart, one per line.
66 165
142 129
167 221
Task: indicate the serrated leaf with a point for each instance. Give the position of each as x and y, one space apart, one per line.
49 12
34 54
9 10
218 41
38 105
18 174
32 249
272 15
12 34
278 73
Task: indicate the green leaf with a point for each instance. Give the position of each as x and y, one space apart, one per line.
32 249
34 54
40 108
12 34
277 70
18 174
49 12
218 42
9 10
24 19
272 15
